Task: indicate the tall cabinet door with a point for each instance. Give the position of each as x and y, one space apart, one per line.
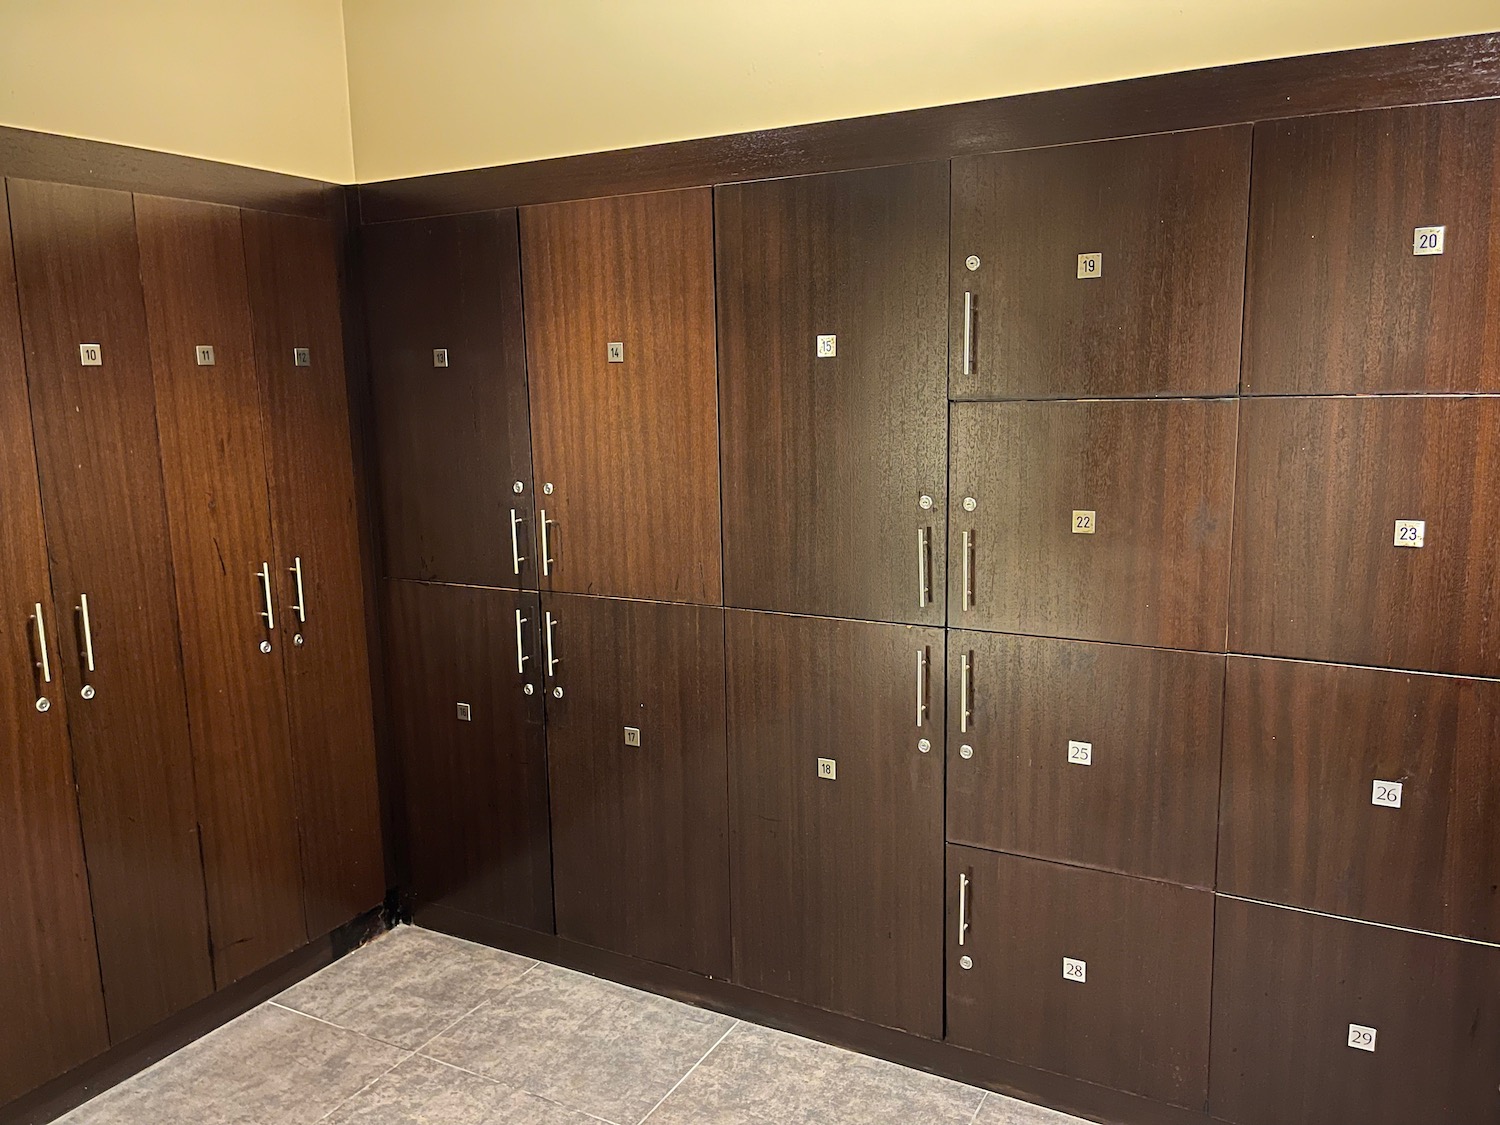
624 397
636 754
93 411
836 797
49 966
293 271
465 684
448 368
214 468
832 314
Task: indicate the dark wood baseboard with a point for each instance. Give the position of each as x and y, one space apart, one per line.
70 1090
1069 1095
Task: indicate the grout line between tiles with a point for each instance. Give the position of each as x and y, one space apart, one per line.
689 1073
984 1096
320 1019
404 1058
519 1089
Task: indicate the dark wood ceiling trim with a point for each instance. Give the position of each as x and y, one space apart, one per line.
1435 70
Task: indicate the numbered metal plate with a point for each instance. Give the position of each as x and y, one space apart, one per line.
1090 265
440 357
302 357
1410 533
1075 970
465 714
1083 522
205 355
1362 1038
828 347
90 355
632 736
615 351
1386 794
1428 240
1080 753
828 769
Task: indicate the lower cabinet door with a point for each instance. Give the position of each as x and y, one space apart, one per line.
836 746
636 760
1099 976
1325 1021
464 674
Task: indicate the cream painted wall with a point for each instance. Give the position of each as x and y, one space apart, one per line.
448 84
257 82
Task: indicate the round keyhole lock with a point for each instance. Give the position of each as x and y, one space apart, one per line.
966 962
88 691
972 261
528 690
925 503
924 745
557 693
970 503
298 640
44 705
547 488
265 646
518 488
966 752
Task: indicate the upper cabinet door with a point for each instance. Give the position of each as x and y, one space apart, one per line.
94 415
49 965
214 467
1374 245
293 269
1105 521
831 336
1095 270
624 395
452 432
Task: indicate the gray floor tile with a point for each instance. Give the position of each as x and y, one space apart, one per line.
1000 1110
406 986
589 1044
269 1067
758 1077
423 1092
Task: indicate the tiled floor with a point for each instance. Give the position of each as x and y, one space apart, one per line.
422 1028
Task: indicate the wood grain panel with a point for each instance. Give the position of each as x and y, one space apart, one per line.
1139 797
1337 301
1138 1019
630 449
452 441
1159 477
218 508
293 270
1287 986
1305 745
825 459
78 274
1322 483
49 965
837 882
476 788
1159 314
639 833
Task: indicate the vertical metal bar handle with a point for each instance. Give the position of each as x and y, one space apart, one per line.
921 686
269 613
515 541
968 594
963 906
88 632
924 582
521 657
546 547
552 661
963 694
45 663
968 333
301 607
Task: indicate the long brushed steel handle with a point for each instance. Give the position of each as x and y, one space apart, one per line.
968 592
963 907
45 663
552 660
963 694
269 613
968 333
545 523
88 631
921 686
521 657
301 607
515 541
924 581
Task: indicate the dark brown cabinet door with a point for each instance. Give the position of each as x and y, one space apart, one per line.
1322 1021
448 369
1100 755
1092 270
833 464
836 798
218 508
1105 521
1098 976
292 264
49 966
78 273
628 447
1362 532
1373 245
459 661
1363 792
636 759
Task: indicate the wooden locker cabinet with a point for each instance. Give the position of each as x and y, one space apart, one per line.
218 508
1102 269
448 371
49 964
1290 988
834 473
78 275
1133 1016
639 828
1362 792
1099 755
837 814
1339 301
629 449
473 751
1323 483
1104 521
293 268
